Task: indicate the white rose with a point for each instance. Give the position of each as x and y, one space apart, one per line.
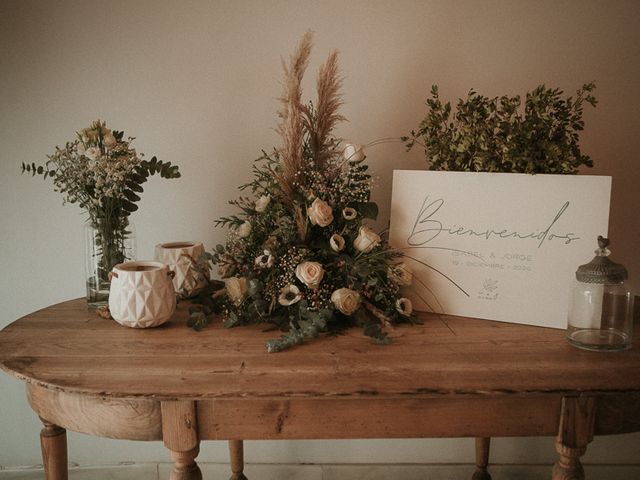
337 242
236 289
310 273
401 274
346 300
353 152
244 229
366 240
349 213
404 306
289 295
109 140
92 153
320 213
262 203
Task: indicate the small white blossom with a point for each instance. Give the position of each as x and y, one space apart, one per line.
262 203
265 260
349 213
244 230
400 274
337 242
353 152
404 306
289 295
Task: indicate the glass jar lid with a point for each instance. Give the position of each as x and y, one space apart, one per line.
601 269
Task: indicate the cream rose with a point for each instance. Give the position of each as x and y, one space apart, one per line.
404 306
346 300
289 295
236 289
320 213
244 229
353 152
262 203
337 242
366 240
310 273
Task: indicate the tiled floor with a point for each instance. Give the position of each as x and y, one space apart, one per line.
329 472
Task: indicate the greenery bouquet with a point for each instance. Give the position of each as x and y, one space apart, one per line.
501 134
299 254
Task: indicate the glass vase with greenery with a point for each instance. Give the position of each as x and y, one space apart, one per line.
103 174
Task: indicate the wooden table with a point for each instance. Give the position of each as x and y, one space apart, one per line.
451 377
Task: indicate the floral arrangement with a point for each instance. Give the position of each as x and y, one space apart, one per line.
298 254
103 174
494 135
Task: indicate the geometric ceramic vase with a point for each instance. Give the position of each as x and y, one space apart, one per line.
141 294
182 258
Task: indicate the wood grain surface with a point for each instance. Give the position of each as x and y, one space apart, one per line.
70 349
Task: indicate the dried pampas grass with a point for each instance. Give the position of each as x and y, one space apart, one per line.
291 126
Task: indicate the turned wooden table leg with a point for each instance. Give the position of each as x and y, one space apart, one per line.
53 440
236 455
180 435
574 434
482 459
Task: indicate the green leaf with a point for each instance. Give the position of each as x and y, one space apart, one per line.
368 210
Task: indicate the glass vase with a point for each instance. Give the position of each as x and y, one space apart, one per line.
108 242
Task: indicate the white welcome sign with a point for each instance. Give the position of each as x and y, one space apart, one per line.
497 246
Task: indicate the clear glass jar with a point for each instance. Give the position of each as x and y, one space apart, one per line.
108 242
601 306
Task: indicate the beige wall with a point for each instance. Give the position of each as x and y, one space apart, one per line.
196 82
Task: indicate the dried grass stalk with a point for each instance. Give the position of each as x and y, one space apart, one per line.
328 104
291 126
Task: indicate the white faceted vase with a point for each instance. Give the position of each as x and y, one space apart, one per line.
141 294
182 258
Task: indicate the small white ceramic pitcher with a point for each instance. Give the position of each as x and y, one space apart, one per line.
141 294
182 257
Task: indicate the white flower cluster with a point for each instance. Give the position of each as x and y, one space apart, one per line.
93 168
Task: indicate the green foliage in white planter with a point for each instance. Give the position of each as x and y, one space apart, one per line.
495 135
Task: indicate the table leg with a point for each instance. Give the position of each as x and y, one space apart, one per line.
482 459
180 435
236 455
53 440
577 421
